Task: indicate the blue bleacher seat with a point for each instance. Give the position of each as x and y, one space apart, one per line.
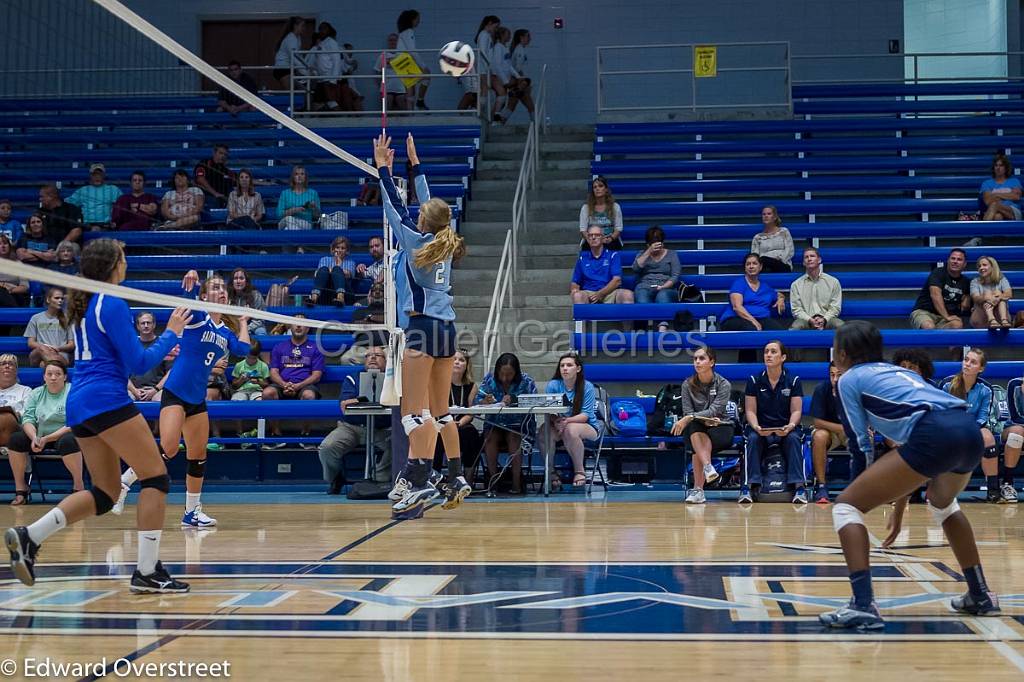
845 144
130 103
842 255
791 207
664 372
966 184
16 316
876 229
748 166
849 280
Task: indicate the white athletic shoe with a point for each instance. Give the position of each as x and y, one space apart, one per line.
695 496
1007 494
710 475
197 519
118 507
399 490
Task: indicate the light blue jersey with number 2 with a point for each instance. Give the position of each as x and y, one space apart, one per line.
419 290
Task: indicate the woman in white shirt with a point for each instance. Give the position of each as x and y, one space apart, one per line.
603 211
183 205
245 204
407 23
484 55
328 67
288 43
393 85
520 88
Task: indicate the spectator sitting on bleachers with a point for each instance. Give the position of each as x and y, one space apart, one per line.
36 246
598 273
183 205
978 396
147 387
49 336
917 361
704 422
990 295
828 433
13 290
774 406
751 301
371 311
1002 192
581 424
250 375
334 273
601 210
96 199
243 293
136 210
816 298
230 102
13 397
245 204
657 272
43 423
351 429
67 258
298 207
945 296
9 227
507 382
774 244
217 388
61 219
462 393
375 270
214 177
296 367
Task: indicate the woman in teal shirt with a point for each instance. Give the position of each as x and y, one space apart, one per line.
298 206
581 424
44 423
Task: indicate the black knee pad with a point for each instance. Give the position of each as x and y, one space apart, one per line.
196 468
102 500
990 452
161 483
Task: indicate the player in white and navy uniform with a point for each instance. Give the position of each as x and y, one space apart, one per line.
106 423
938 443
423 281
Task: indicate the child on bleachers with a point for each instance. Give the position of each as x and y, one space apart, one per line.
8 225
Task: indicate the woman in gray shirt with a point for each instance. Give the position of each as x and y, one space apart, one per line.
657 272
705 424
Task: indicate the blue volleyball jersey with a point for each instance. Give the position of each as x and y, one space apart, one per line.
107 352
202 344
888 399
419 290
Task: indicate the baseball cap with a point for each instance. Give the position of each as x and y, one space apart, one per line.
97 167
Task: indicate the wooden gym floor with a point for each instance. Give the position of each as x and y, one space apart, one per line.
500 590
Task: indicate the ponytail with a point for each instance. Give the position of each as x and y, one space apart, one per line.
100 259
446 244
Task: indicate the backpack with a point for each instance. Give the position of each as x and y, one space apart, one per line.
369 490
998 411
666 405
629 418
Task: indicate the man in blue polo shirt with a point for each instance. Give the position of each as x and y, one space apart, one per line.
774 406
598 273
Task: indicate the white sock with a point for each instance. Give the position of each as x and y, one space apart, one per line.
149 550
51 522
129 477
191 501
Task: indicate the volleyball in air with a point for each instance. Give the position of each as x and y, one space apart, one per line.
456 58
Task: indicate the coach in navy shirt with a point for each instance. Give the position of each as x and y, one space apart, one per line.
598 273
773 406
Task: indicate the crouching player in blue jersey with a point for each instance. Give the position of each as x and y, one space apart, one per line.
422 283
938 443
106 423
183 402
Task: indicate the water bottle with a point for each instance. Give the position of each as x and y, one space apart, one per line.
670 421
712 327
623 415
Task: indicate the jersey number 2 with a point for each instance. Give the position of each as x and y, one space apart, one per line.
439 274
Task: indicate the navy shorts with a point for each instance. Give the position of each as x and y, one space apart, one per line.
94 426
65 445
168 398
942 442
431 336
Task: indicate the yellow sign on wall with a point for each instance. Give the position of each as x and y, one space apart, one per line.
705 61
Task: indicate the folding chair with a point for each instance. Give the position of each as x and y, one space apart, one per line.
594 447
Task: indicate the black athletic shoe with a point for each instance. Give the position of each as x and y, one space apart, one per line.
158 582
23 554
984 606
